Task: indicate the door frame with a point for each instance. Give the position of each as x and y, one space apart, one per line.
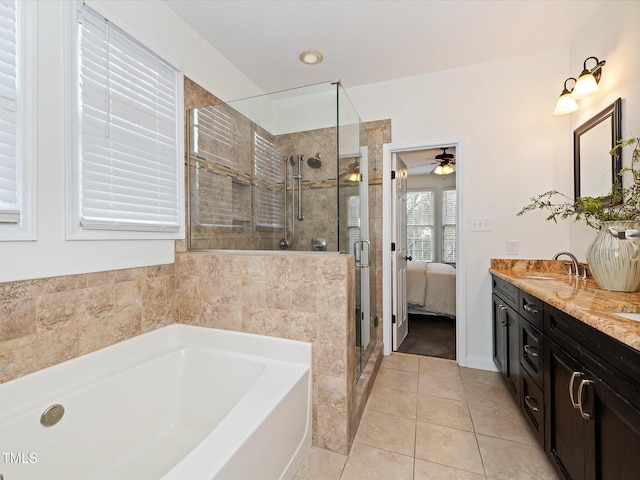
388 216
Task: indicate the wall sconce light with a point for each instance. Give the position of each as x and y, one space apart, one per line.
443 169
588 80
566 103
586 84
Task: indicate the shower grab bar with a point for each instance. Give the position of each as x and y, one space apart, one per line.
359 263
299 178
286 174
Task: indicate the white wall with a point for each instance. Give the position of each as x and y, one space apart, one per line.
513 147
613 35
51 255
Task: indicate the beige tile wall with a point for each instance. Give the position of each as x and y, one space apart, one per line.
47 321
298 296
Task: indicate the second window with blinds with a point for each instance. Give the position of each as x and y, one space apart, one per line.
431 225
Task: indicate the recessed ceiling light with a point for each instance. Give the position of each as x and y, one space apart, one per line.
311 57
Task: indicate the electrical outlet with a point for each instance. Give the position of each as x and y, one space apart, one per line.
513 247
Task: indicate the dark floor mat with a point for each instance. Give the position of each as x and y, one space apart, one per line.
430 335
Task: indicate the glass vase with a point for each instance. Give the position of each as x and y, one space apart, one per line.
615 263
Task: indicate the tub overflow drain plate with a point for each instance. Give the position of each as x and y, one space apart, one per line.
52 415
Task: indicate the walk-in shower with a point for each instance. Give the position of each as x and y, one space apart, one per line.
266 172
281 172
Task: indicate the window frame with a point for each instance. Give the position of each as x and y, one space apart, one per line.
74 228
431 227
26 126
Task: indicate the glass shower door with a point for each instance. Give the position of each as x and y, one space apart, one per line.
353 224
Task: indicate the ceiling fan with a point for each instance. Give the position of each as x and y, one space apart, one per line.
444 163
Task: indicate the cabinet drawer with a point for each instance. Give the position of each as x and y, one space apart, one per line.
531 309
532 405
531 352
506 291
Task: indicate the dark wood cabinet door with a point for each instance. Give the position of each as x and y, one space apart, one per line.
616 446
569 436
506 344
499 333
512 374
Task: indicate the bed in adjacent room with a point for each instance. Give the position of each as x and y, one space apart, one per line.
431 288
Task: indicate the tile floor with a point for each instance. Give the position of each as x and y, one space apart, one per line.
428 419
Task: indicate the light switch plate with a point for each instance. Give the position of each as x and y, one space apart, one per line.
480 224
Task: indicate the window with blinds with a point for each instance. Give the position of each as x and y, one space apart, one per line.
129 135
449 226
420 221
17 120
268 171
222 200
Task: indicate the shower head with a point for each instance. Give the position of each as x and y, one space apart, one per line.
314 162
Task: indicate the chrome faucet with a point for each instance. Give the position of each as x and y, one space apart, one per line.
576 265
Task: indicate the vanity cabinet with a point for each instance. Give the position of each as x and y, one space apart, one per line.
505 332
593 409
578 388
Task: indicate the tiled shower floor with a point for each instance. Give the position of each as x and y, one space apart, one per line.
428 419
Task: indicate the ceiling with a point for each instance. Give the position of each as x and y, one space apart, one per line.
373 41
377 40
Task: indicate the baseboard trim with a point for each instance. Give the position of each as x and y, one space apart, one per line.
481 363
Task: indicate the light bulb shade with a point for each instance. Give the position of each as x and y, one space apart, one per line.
585 86
445 169
565 104
587 82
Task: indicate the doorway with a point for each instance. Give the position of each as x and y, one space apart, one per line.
442 323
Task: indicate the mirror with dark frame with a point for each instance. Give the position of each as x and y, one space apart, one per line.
593 174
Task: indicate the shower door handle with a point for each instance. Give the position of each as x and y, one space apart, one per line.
359 263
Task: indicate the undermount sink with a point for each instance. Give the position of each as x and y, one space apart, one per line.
630 316
539 277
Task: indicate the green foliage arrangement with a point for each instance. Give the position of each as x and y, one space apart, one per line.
620 204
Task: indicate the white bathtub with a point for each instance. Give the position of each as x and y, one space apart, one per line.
181 402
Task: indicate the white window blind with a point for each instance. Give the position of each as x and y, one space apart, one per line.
9 167
17 120
268 170
449 226
420 220
130 166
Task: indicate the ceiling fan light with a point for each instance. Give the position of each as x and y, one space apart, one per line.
443 169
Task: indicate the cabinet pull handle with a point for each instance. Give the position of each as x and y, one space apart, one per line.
573 377
530 308
530 351
502 311
531 404
585 415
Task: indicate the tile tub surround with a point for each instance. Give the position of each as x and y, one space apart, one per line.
302 296
578 297
47 321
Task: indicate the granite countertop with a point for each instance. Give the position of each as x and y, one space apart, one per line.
580 298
